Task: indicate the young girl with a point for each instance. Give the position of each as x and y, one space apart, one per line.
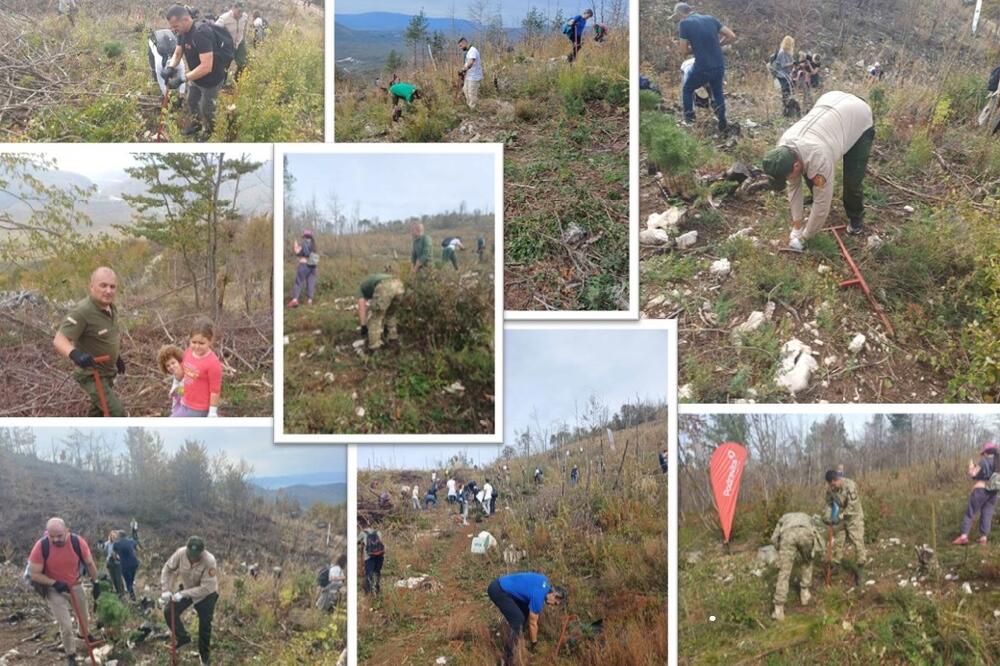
202 373
171 360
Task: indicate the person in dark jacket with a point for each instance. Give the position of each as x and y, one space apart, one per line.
305 273
125 549
982 500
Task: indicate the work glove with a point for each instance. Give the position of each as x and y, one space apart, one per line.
364 329
82 358
60 587
168 73
166 596
95 591
120 364
461 73
177 597
175 82
213 412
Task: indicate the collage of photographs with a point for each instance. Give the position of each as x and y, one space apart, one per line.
525 334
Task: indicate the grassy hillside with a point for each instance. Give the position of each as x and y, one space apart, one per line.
896 615
603 539
931 198
446 329
565 134
271 618
92 82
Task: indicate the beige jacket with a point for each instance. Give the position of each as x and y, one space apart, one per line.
820 139
237 27
199 578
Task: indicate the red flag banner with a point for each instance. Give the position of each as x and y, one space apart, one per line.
725 470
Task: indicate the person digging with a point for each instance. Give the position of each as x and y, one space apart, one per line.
88 334
839 127
54 566
379 297
796 538
190 578
521 597
401 91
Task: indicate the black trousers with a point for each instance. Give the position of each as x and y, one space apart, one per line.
373 574
206 611
514 611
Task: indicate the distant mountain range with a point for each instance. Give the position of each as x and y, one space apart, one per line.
394 22
106 206
306 489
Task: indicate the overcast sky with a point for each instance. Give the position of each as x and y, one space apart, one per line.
550 370
512 10
252 444
419 456
108 161
397 186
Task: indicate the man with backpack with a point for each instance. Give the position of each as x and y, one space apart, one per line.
449 246
370 539
207 49
573 29
846 515
190 578
54 568
236 21
330 581
703 36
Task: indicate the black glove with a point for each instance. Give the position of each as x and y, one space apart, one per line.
168 73
364 330
174 82
60 587
120 364
96 590
461 73
81 358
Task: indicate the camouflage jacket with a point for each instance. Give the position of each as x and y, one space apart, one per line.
848 498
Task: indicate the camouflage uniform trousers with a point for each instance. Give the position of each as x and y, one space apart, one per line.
796 541
86 382
849 529
384 303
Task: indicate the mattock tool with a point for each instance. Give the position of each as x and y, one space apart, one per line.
858 280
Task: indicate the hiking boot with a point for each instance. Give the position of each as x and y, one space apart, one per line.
294 303
779 613
805 596
204 661
191 130
854 228
982 541
962 540
182 641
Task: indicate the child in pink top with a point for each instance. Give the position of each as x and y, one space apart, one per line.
202 373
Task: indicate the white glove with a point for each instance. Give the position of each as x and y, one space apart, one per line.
213 412
166 596
177 597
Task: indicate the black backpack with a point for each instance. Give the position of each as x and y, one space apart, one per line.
43 590
225 47
446 241
373 545
323 577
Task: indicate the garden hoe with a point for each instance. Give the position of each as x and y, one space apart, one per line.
84 630
101 396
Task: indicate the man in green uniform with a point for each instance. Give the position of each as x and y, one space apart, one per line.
378 299
846 515
796 536
420 255
90 330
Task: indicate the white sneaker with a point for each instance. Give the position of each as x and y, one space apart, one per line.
805 596
795 244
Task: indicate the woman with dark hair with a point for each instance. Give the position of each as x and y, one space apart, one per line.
982 500
305 274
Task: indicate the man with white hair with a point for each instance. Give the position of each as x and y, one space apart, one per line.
54 566
90 331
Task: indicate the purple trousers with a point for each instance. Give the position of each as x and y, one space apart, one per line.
982 502
304 276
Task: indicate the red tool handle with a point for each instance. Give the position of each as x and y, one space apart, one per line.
101 397
83 626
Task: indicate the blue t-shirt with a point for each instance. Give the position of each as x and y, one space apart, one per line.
579 24
702 32
126 553
530 588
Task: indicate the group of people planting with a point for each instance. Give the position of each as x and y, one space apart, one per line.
90 336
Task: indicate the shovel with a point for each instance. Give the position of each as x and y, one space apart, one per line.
83 628
101 396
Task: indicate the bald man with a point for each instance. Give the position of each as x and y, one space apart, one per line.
55 563
420 255
90 330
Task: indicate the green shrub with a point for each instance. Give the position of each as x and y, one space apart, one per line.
669 147
648 100
919 152
112 49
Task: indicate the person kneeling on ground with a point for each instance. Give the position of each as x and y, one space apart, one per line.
796 536
839 126
521 597
379 297
330 580
193 573
982 500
